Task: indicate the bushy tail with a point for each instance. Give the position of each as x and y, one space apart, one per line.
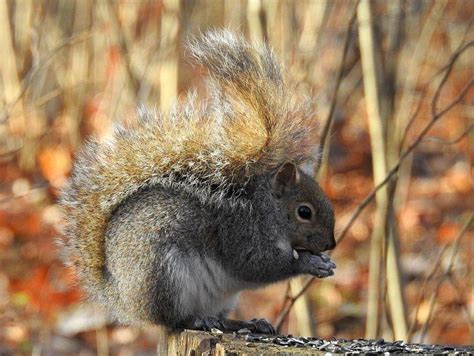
260 127
246 127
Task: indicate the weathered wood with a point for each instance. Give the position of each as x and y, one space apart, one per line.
197 343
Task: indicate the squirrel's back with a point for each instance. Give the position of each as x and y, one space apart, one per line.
210 148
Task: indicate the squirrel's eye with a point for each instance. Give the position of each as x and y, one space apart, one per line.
304 212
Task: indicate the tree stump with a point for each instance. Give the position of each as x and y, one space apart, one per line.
197 343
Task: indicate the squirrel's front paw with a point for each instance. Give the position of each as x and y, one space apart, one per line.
260 326
319 265
208 323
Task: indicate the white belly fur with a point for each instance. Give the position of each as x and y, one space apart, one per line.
205 288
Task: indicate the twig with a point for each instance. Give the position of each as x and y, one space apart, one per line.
289 301
366 201
453 141
124 47
415 59
323 148
460 49
421 293
395 168
170 23
413 117
454 250
38 187
466 311
415 143
435 100
325 134
36 68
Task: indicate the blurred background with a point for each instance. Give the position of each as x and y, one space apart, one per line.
392 85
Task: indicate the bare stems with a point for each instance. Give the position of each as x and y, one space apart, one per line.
436 116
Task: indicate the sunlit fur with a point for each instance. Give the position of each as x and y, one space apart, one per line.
207 148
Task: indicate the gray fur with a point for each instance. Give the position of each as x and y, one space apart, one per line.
173 260
166 222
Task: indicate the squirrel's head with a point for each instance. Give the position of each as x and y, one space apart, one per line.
310 214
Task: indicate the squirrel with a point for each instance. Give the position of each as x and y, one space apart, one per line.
167 220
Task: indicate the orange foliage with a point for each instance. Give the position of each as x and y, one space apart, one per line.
55 163
44 295
447 232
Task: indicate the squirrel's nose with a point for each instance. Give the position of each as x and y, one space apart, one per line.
331 244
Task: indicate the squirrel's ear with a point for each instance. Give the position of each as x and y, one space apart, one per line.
286 176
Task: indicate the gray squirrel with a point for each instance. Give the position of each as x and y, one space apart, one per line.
169 219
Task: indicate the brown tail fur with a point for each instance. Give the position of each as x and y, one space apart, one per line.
247 127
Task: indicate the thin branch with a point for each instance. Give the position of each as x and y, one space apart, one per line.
416 58
458 51
453 141
450 67
421 293
395 168
467 314
413 117
340 75
366 201
38 187
47 97
461 96
454 250
37 67
124 47
279 322
290 302
415 143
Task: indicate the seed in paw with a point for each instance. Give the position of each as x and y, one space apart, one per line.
295 255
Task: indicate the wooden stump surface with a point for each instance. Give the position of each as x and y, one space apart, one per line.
197 343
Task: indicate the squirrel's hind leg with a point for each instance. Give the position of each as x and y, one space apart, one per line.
260 326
